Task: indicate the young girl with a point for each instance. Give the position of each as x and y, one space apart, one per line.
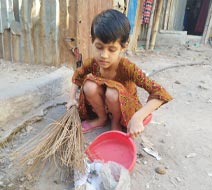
108 81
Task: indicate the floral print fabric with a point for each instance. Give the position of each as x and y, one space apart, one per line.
127 78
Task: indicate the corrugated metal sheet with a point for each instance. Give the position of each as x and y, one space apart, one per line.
33 31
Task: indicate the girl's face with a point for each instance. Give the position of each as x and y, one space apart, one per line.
107 55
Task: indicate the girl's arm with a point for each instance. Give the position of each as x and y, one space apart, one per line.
157 96
135 125
72 101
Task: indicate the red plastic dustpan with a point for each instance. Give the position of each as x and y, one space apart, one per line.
114 146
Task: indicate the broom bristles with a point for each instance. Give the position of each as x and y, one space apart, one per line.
63 144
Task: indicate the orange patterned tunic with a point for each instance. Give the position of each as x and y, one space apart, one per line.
128 76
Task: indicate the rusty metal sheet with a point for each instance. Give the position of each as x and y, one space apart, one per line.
33 31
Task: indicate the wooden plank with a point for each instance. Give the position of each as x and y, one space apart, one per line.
149 31
208 27
156 25
167 12
15 48
67 38
7 45
1 46
170 16
86 11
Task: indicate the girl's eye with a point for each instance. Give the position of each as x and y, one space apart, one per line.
99 47
112 49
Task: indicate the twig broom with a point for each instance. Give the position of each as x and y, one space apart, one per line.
61 143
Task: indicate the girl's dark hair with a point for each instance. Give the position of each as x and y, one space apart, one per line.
109 26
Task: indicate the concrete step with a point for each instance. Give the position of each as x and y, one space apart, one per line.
27 99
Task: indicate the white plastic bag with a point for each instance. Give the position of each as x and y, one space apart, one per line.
115 177
104 176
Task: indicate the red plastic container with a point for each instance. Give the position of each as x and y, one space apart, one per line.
115 146
147 119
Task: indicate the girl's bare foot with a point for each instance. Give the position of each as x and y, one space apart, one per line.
97 122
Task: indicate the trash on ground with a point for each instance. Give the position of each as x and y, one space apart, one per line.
209 101
191 155
178 179
152 152
105 176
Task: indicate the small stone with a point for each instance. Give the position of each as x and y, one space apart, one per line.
22 179
29 177
160 170
139 155
56 181
10 185
30 162
1 184
177 82
202 87
29 129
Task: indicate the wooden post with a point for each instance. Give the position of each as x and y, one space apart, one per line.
156 25
149 31
208 27
170 15
167 15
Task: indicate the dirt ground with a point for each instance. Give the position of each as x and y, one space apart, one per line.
180 131
15 73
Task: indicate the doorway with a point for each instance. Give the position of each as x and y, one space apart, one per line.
195 16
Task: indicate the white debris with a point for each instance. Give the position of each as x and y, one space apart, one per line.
147 186
99 175
191 155
178 179
145 162
152 152
210 174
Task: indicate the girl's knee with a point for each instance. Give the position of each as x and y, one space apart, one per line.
89 87
111 95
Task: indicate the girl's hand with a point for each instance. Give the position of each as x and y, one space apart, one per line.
135 126
70 103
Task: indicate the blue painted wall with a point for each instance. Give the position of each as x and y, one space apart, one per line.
132 7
